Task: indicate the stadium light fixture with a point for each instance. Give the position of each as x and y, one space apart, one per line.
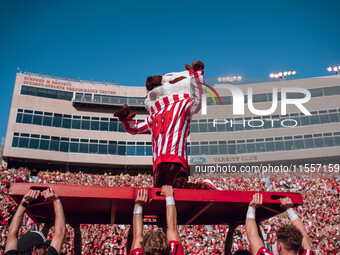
334 69
281 75
229 79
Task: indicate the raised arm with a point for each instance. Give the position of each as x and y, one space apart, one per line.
142 199
287 204
251 227
59 221
197 80
130 126
12 237
171 214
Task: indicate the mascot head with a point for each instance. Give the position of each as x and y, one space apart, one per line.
177 83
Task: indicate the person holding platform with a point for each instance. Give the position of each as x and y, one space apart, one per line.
35 242
156 242
291 239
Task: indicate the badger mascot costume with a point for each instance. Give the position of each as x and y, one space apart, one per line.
171 107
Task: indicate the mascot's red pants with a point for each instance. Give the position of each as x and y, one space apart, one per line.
174 174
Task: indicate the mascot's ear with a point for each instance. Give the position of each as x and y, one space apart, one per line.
195 65
153 81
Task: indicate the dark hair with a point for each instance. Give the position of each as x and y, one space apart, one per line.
29 252
155 243
290 236
242 252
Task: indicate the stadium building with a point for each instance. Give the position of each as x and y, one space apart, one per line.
59 123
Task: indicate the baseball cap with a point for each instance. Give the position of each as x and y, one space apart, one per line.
31 239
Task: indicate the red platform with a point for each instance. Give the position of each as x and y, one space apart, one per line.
105 205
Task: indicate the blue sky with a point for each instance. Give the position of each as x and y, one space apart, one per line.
126 41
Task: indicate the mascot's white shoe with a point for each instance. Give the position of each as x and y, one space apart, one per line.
211 185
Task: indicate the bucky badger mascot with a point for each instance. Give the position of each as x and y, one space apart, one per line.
170 107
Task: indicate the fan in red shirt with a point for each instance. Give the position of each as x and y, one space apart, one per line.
156 242
291 239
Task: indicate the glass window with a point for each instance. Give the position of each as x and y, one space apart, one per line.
121 149
319 142
204 149
232 149
140 150
334 117
227 100
93 147
74 146
194 127
47 121
257 98
19 118
329 141
203 127
27 118
305 120
120 127
331 91
316 92
260 147
289 145
112 147
15 141
66 122
85 123
222 149
194 150
34 143
37 119
337 140
239 125
44 144
51 93
64 146
148 150
102 148
130 150
84 148
270 146
221 127
94 124
54 145
104 125
213 150
113 125
57 120
309 143
23 142
324 118
41 92
251 148
314 119
75 123
211 127
241 148
279 146
299 144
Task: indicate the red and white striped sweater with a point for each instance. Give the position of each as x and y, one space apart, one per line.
169 120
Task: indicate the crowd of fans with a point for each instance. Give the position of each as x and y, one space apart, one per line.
320 211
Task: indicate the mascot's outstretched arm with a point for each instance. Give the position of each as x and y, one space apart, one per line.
130 126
